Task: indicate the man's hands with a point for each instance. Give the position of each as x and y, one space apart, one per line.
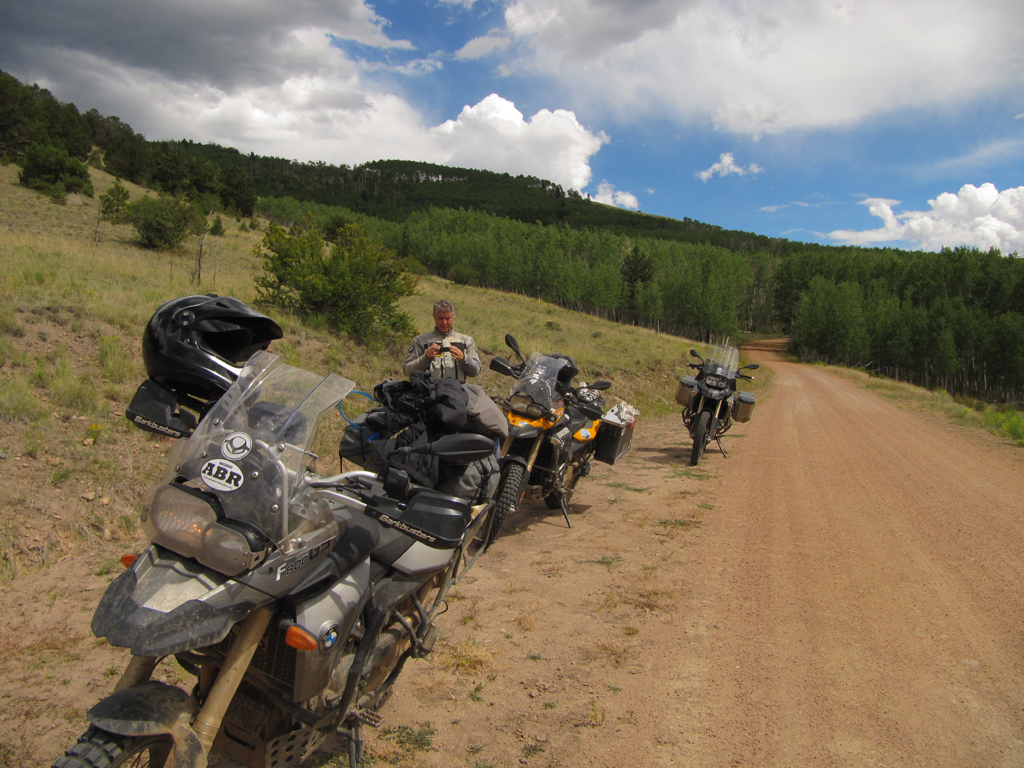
436 349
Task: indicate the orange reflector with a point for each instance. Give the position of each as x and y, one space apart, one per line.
300 639
128 560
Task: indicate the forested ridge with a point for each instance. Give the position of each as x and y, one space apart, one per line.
951 319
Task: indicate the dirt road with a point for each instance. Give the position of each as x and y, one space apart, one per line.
849 592
844 590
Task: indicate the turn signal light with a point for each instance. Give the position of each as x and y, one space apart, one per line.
300 639
128 560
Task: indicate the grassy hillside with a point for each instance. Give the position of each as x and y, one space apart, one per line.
71 315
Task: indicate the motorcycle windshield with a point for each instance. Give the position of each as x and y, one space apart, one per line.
539 380
252 449
723 361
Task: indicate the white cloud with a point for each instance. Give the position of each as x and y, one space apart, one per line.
479 47
493 135
773 65
726 166
988 154
607 194
982 217
272 79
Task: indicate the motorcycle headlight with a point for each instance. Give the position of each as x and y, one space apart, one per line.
524 406
715 382
185 523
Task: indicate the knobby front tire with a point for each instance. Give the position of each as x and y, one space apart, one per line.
700 437
508 498
97 748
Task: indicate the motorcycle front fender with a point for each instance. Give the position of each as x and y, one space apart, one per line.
151 709
523 431
126 622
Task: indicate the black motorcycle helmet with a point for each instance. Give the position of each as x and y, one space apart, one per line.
198 344
567 372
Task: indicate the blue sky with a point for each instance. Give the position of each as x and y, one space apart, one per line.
834 121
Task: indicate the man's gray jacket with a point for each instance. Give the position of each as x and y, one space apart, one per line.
443 366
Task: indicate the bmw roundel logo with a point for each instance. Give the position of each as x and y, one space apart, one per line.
236 446
329 637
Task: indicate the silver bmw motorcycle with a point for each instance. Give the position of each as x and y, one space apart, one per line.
294 600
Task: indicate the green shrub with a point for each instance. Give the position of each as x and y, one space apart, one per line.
52 170
115 360
412 266
114 200
73 391
18 402
217 228
464 274
163 222
355 284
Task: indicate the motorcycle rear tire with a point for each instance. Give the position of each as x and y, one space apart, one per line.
97 748
700 437
508 498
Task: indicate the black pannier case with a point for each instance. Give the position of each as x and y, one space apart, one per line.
613 440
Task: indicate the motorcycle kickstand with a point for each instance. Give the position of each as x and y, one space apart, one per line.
719 441
565 511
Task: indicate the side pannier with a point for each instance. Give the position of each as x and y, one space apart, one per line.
744 407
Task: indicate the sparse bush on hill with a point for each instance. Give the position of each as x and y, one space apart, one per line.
164 222
52 170
354 284
113 201
217 228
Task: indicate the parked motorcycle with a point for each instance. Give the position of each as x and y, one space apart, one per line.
293 599
710 401
555 429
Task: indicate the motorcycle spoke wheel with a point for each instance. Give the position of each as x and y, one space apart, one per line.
508 499
97 748
700 438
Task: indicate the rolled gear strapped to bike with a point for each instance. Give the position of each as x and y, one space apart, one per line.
413 413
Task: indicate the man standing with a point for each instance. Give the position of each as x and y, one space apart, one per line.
443 351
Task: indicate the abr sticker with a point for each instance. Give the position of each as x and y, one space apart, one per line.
221 475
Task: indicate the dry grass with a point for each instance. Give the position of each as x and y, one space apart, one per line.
613 653
526 622
465 657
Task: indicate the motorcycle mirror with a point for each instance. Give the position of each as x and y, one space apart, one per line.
752 366
600 384
502 366
694 353
511 343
